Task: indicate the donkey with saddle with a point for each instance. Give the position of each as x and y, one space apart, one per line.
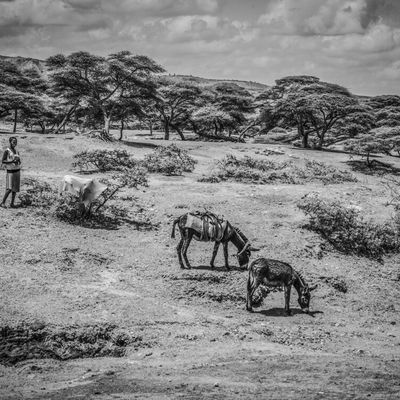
206 227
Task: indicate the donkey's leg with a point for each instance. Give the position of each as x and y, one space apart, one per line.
186 244
287 298
179 250
252 285
214 254
179 247
226 256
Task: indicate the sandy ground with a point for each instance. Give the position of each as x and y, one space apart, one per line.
198 342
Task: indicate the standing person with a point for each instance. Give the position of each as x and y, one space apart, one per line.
12 162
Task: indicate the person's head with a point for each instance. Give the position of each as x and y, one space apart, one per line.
13 141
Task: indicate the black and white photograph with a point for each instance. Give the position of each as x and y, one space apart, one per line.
200 199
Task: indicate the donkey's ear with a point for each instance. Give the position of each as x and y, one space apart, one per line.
313 287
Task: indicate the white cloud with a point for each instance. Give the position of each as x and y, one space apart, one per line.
349 42
314 17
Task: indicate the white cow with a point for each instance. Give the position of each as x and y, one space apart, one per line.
87 189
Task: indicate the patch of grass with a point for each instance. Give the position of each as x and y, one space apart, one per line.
169 160
347 230
261 171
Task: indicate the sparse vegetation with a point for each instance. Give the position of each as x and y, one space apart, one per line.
252 170
169 160
347 230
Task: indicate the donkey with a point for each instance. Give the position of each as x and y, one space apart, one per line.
273 273
207 227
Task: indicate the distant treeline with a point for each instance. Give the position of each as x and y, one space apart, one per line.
86 93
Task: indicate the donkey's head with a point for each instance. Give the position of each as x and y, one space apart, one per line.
244 255
305 296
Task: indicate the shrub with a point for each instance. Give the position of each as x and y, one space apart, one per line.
169 160
252 170
37 194
104 160
315 170
347 230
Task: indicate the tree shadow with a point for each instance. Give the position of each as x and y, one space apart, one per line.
378 168
139 145
218 269
280 312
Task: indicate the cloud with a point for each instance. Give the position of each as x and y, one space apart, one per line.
314 17
350 42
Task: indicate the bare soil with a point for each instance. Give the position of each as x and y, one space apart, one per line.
186 333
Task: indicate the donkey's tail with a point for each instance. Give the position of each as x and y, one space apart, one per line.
173 228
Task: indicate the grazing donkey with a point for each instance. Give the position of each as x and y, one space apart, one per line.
273 273
208 227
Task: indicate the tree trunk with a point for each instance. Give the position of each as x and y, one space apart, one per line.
151 127
121 130
179 131
15 120
107 120
65 120
304 136
166 129
105 134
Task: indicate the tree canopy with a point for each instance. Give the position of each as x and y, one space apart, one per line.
102 83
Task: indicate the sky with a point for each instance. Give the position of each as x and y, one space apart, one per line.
354 43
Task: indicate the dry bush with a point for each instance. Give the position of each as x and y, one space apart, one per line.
37 194
252 170
325 173
104 160
347 230
169 160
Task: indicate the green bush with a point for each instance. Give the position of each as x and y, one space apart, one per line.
347 230
169 160
103 160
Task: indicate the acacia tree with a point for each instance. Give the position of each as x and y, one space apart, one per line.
20 90
102 82
383 140
386 109
174 104
313 108
226 111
